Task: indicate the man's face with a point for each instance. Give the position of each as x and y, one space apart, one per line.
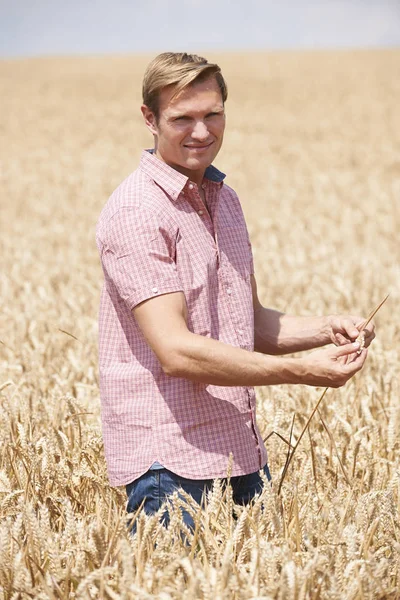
190 127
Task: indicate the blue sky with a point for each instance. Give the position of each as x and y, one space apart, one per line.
54 27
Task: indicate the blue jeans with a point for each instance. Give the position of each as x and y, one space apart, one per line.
154 487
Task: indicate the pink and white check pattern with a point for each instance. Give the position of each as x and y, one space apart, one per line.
156 236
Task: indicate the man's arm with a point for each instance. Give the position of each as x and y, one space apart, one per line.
162 320
278 333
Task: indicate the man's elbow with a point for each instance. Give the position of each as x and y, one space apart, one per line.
179 358
169 368
266 346
173 364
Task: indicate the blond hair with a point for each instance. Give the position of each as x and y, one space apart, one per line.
179 69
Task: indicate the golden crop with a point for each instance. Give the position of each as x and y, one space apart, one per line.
312 147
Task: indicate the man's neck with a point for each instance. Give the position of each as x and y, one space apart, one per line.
194 176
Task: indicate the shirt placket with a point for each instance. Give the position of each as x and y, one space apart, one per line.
234 310
203 212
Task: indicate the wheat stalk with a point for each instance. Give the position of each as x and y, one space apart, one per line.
290 455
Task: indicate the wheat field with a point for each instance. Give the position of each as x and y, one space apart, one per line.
313 148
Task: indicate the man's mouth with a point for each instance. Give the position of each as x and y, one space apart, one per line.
198 146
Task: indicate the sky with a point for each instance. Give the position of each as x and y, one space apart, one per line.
69 27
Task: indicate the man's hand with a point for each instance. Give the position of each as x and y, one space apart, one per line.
346 328
330 367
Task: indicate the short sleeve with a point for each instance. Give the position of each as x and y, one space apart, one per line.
138 256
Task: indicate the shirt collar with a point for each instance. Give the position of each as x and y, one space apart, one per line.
214 174
170 179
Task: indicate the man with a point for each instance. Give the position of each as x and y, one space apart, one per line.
183 335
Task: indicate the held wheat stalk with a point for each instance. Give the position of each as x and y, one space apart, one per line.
361 340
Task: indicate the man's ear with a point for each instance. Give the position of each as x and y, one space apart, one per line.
149 119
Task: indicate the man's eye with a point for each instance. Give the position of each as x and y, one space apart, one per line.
183 118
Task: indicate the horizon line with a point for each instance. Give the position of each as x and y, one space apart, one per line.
288 50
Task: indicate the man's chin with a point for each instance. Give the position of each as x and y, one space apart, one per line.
195 165
199 163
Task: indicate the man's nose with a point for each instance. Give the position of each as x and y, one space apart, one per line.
200 131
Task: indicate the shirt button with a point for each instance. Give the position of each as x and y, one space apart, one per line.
240 331
201 212
155 290
229 291
191 186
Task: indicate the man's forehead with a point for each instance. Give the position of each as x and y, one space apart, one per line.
169 100
194 107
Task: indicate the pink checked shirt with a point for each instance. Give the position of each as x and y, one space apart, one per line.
156 236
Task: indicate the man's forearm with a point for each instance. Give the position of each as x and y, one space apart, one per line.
277 333
210 361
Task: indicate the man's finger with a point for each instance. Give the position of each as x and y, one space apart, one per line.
341 340
369 335
346 349
350 328
358 362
